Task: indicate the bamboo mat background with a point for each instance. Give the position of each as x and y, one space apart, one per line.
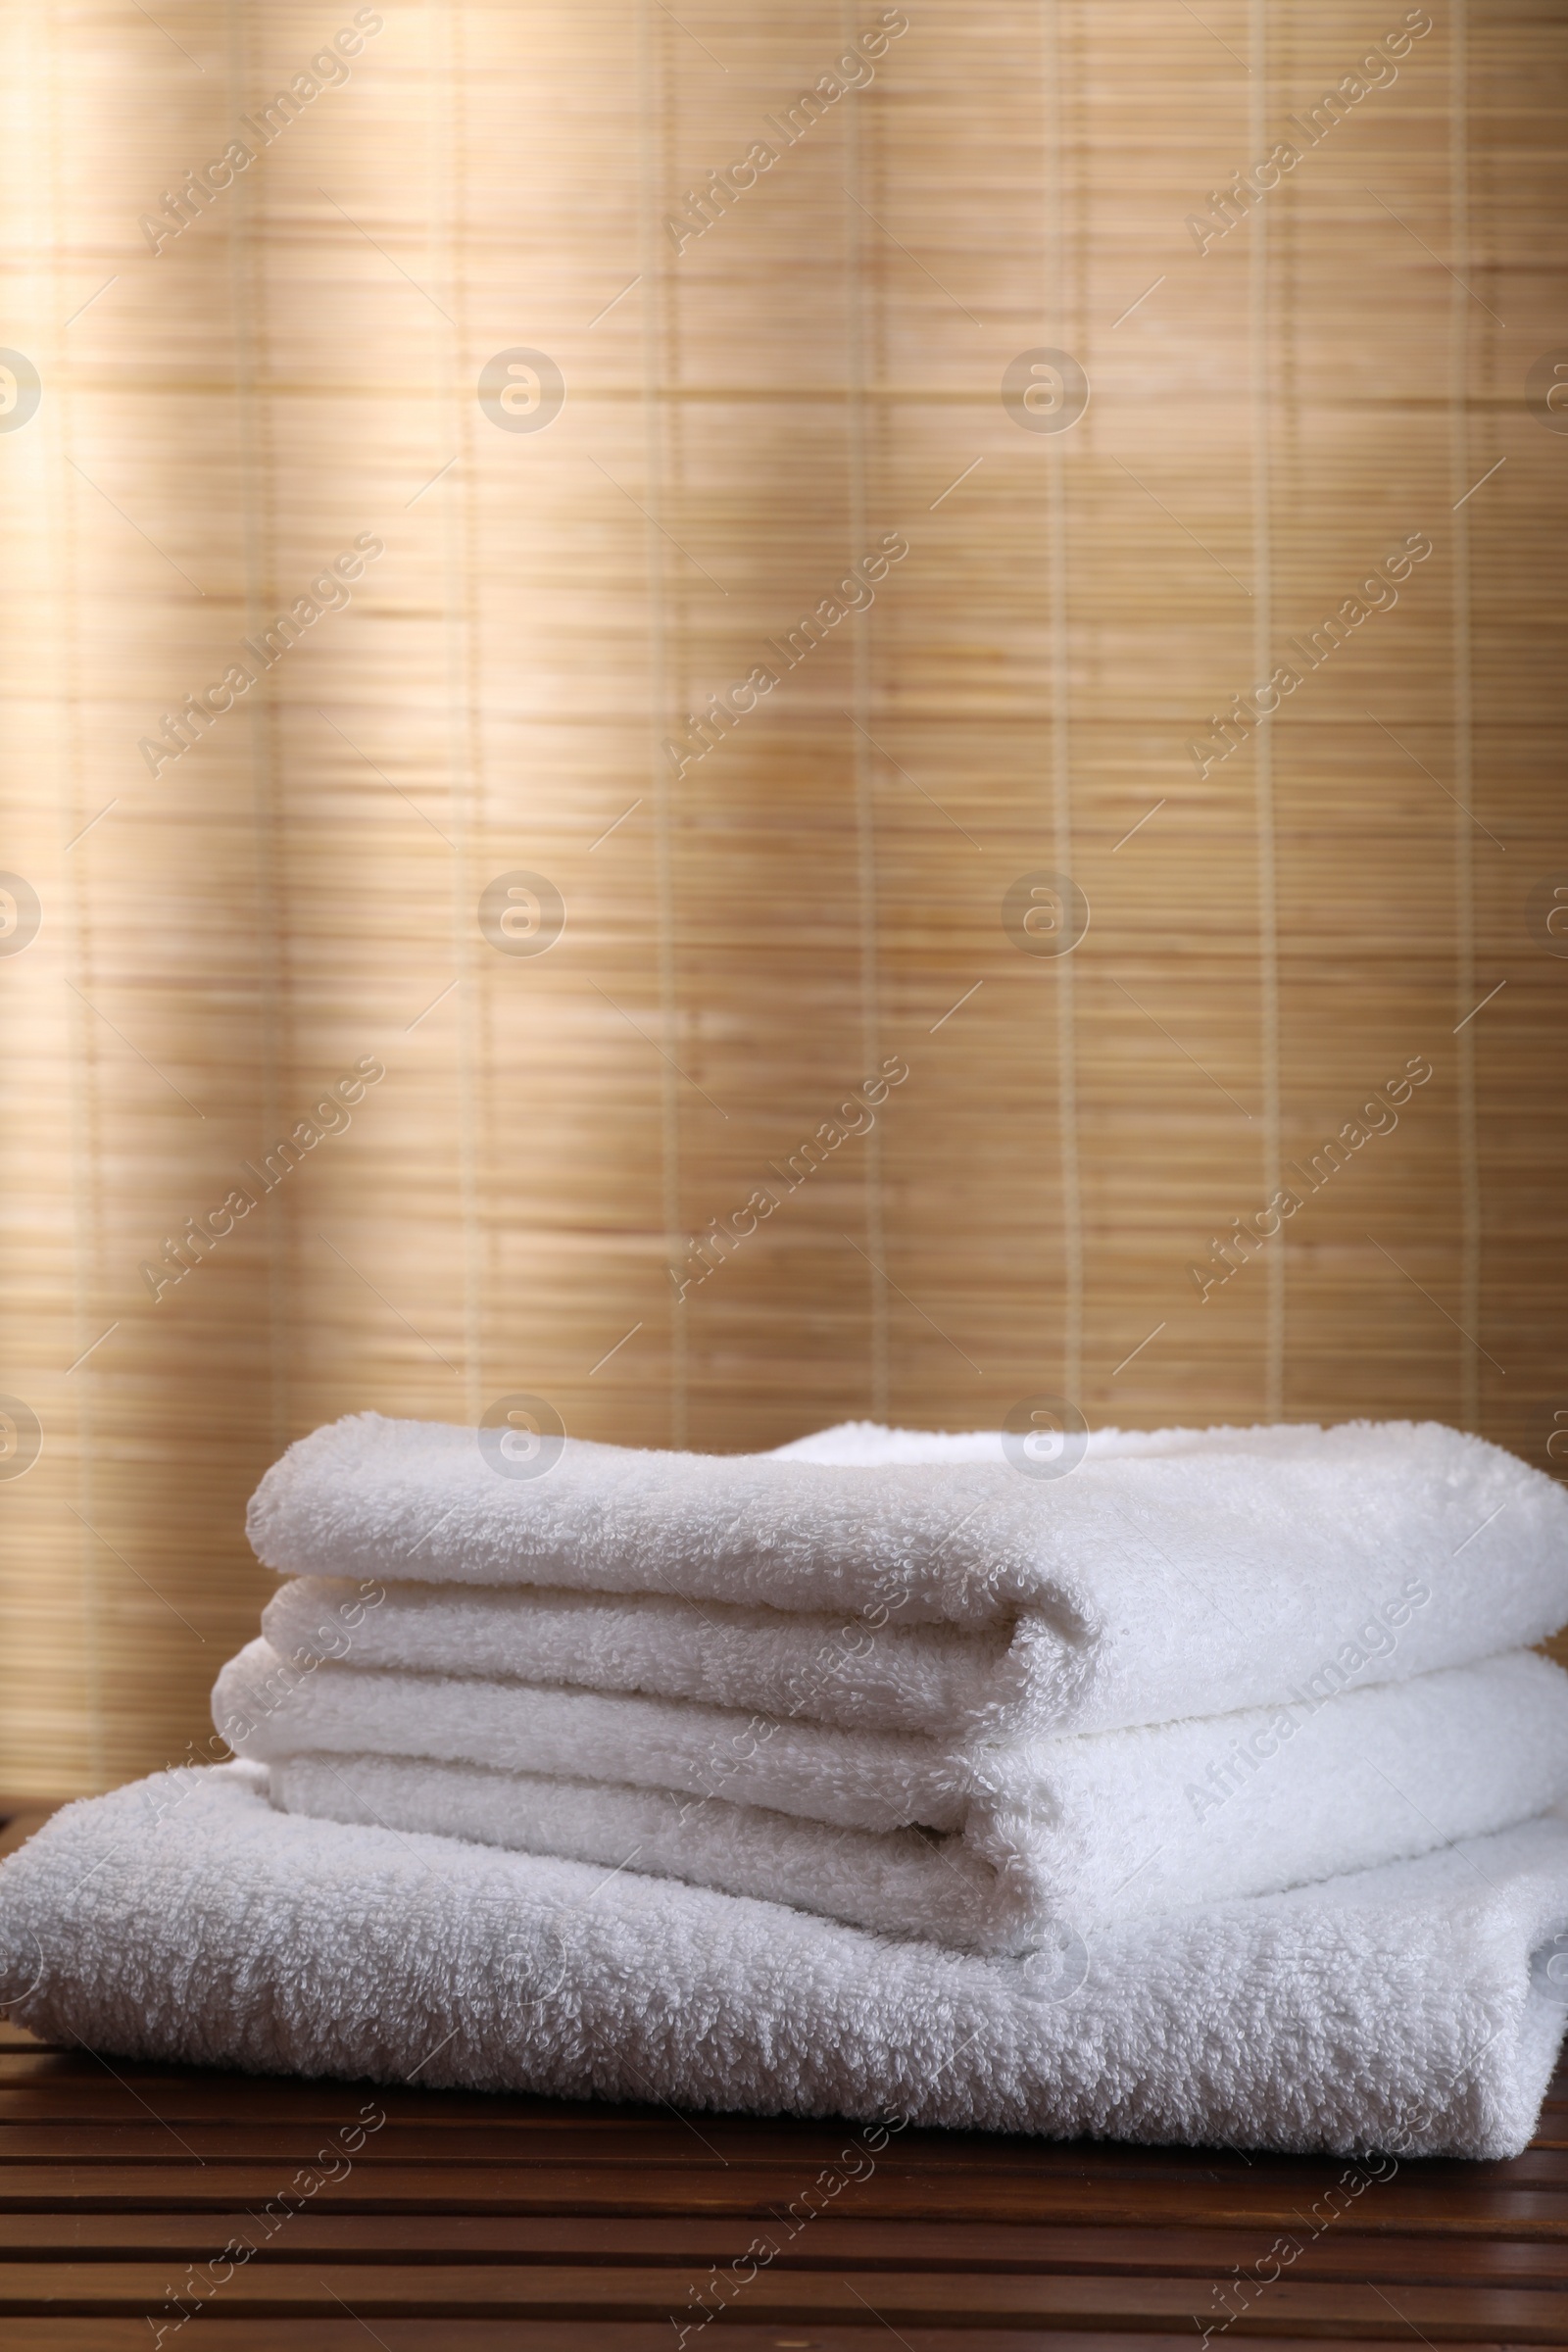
748 412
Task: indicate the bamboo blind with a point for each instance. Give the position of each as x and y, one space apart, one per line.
499 310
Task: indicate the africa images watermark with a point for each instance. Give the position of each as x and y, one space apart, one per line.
183 1253
200 191
328 593
204 2280
718 1241
854 594
1377 594
718 2295
705 207
846 1645
1229 207
1325 2209
1363 2173
1230 1252
1376 1640
282 1686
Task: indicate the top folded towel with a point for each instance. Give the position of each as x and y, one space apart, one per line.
1170 1574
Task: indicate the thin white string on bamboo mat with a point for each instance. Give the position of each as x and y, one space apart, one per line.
658 373
1061 755
467 703
1464 753
862 698
249 228
1260 290
85 1095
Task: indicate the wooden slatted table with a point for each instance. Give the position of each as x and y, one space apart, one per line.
440 2222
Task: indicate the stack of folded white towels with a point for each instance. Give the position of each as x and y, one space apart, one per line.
901 1680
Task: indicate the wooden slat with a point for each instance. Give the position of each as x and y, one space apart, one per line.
44 2095
152 2139
105 2333
1445 2314
627 2184
1106 2200
1343 2253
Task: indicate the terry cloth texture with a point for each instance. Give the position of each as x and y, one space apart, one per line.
1175 1574
820 1669
986 1848
184 1920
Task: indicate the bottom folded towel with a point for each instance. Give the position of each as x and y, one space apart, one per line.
183 1919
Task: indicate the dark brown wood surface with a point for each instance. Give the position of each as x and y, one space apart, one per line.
464 2223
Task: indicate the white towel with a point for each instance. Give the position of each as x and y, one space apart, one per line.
813 1668
1180 1573
901 1882
183 1921
992 1848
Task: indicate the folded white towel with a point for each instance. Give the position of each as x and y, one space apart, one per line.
1181 1573
899 1882
986 1848
808 1667
183 1920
